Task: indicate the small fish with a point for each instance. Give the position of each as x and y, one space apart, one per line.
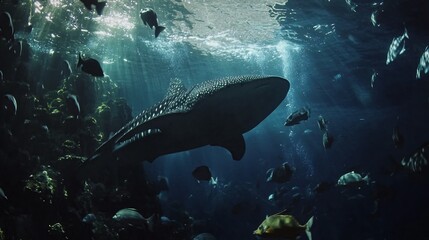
327 140
297 116
89 218
322 123
6 27
2 195
283 226
202 173
280 174
352 5
397 47
99 6
373 78
9 105
150 18
213 181
72 105
130 216
418 161
308 131
65 69
352 179
90 66
1 76
423 64
45 129
322 187
397 137
374 18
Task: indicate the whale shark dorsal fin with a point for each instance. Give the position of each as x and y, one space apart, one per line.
176 87
234 144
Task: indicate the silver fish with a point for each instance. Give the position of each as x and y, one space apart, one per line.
423 64
373 78
397 47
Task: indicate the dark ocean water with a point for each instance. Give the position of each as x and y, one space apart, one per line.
327 50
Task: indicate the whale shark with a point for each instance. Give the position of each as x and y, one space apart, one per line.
216 112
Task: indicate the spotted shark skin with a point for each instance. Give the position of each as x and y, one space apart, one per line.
215 112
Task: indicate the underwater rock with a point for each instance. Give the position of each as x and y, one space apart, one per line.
72 124
120 113
56 231
104 113
6 138
68 164
70 146
56 103
41 114
42 185
23 73
103 231
85 87
15 88
52 72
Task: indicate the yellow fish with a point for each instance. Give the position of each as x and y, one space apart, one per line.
283 226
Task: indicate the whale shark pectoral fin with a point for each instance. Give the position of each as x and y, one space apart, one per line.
234 144
141 136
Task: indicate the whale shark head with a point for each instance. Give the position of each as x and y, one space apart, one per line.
238 104
215 112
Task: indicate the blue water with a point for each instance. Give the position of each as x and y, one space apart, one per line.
328 50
